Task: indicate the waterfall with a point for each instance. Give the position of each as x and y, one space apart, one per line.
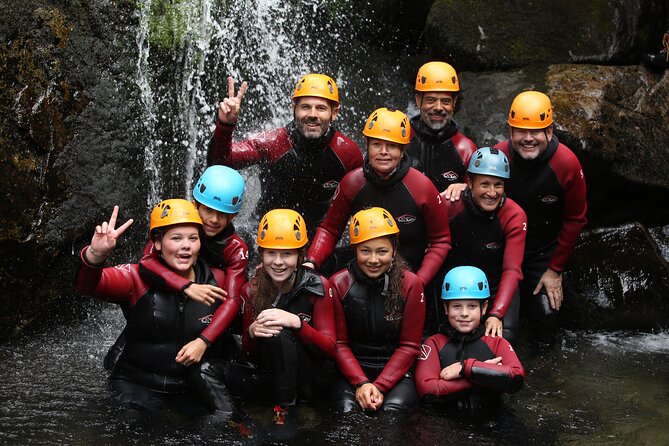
188 48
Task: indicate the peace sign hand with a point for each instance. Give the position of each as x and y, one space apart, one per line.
105 237
228 108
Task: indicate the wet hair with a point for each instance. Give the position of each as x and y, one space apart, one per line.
264 290
394 302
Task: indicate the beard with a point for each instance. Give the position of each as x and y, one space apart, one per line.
436 125
312 132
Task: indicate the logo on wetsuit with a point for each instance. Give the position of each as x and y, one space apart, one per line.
549 199
450 175
330 185
206 320
492 245
406 218
425 351
305 317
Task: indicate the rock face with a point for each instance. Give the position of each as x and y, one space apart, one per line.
64 82
618 280
475 35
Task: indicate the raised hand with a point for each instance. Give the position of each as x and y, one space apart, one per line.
105 238
228 108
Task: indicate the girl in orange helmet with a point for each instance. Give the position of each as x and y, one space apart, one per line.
291 325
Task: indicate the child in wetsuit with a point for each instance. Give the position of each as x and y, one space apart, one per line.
460 366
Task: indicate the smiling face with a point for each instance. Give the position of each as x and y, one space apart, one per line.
487 191
465 314
213 221
313 116
530 143
280 264
384 156
180 246
375 256
436 108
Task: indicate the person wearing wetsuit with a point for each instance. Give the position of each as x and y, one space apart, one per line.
547 181
380 315
387 180
218 197
461 368
488 231
302 163
167 336
437 147
290 320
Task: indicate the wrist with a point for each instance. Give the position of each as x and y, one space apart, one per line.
97 256
205 340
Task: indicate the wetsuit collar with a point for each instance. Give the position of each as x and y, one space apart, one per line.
461 338
382 282
427 134
394 178
309 146
212 247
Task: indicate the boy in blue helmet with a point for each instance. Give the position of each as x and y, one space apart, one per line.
460 366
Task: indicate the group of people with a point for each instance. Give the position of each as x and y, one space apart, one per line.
448 243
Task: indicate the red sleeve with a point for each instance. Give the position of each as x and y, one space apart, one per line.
321 332
508 377
436 222
120 283
329 232
163 277
514 225
347 151
428 368
225 314
570 175
264 147
465 148
236 257
413 321
346 361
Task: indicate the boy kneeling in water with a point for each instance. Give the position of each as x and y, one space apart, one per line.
459 366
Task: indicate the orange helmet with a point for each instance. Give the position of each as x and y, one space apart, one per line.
437 76
173 212
531 110
371 223
282 229
389 125
318 85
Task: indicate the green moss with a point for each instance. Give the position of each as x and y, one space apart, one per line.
169 20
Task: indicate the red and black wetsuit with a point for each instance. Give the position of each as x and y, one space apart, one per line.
492 241
551 191
287 361
481 382
443 156
226 251
411 199
374 346
160 323
298 173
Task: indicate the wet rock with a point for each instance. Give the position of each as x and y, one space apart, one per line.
476 35
617 279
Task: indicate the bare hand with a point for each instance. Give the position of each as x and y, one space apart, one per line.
497 360
277 317
369 397
451 372
228 108
453 191
257 330
552 283
192 352
205 293
493 327
105 238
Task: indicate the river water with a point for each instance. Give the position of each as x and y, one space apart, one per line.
590 389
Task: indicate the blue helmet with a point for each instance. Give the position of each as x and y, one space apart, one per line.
465 282
220 188
489 161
